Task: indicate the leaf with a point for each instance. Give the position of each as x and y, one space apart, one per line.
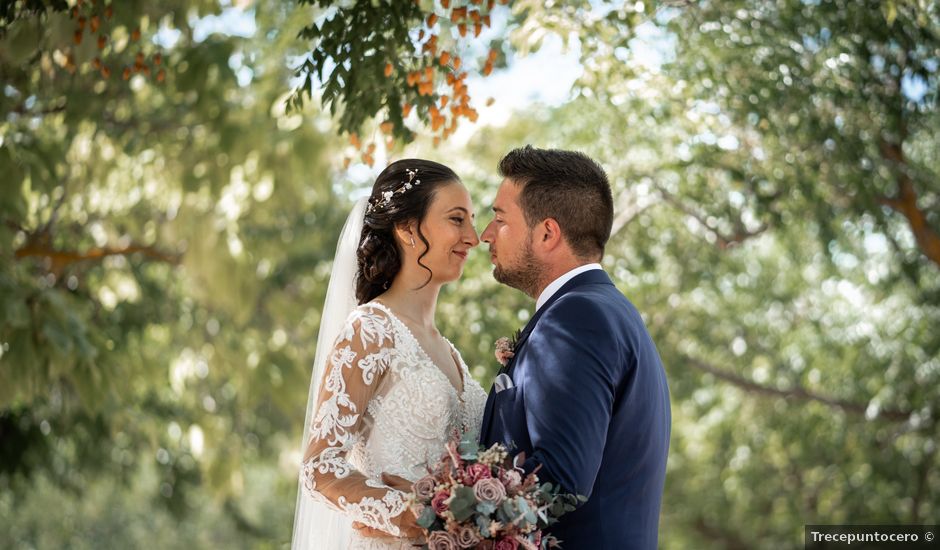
463 504
427 518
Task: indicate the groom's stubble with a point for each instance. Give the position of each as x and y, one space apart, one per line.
524 274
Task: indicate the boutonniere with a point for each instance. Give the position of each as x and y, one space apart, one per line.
506 347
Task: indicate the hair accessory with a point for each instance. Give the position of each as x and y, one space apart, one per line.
406 185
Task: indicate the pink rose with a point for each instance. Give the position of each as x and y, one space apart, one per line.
467 536
438 503
424 487
441 540
511 478
476 472
506 543
489 490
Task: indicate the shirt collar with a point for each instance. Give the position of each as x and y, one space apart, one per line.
555 285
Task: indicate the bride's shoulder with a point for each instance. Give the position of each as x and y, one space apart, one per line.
371 314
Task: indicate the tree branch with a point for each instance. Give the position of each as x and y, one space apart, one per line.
61 259
723 241
905 203
798 393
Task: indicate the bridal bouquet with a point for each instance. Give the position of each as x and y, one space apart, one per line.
475 498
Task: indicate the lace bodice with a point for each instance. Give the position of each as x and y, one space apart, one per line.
383 406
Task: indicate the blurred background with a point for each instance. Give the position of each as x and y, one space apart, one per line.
170 204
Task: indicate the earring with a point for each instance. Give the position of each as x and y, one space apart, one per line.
412 242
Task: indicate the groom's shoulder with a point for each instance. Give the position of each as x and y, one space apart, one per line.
589 304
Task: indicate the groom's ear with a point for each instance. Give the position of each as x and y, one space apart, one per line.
548 234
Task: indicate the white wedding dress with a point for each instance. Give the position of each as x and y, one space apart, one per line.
384 406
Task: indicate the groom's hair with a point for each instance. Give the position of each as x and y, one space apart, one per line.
568 186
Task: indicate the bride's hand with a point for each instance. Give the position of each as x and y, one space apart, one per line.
406 523
396 482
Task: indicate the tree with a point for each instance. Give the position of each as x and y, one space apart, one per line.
162 243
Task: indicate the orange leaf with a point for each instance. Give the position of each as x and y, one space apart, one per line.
437 141
477 29
354 140
388 70
161 75
486 21
457 59
386 127
102 42
490 101
78 37
432 19
475 16
487 69
463 29
445 57
444 100
445 4
406 109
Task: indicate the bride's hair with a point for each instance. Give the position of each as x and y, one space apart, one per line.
402 193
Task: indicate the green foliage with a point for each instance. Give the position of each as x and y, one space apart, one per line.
165 248
376 60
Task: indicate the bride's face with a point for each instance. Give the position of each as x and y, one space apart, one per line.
448 228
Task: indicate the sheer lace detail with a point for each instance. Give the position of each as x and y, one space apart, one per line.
384 406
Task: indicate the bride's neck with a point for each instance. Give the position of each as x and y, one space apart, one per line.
418 305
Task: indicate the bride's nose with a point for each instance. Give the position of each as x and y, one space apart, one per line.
471 237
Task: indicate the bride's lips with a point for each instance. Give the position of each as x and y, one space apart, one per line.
463 254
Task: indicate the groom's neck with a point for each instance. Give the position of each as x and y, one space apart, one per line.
554 270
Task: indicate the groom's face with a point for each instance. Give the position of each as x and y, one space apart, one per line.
510 240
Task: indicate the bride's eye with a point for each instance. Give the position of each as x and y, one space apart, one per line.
458 220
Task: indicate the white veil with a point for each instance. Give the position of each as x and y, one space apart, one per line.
317 526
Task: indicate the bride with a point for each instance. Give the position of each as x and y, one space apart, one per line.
391 391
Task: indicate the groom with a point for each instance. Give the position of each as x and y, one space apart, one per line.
585 395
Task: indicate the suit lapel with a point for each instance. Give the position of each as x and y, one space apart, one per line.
593 276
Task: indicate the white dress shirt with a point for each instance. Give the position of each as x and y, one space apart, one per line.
556 285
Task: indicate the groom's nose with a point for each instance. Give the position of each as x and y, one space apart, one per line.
487 235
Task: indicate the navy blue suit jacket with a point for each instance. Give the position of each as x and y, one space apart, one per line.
590 404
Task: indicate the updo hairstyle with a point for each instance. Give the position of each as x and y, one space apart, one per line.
402 193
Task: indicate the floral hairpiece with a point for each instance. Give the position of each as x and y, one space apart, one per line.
406 185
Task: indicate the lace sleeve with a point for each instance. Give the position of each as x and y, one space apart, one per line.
360 358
